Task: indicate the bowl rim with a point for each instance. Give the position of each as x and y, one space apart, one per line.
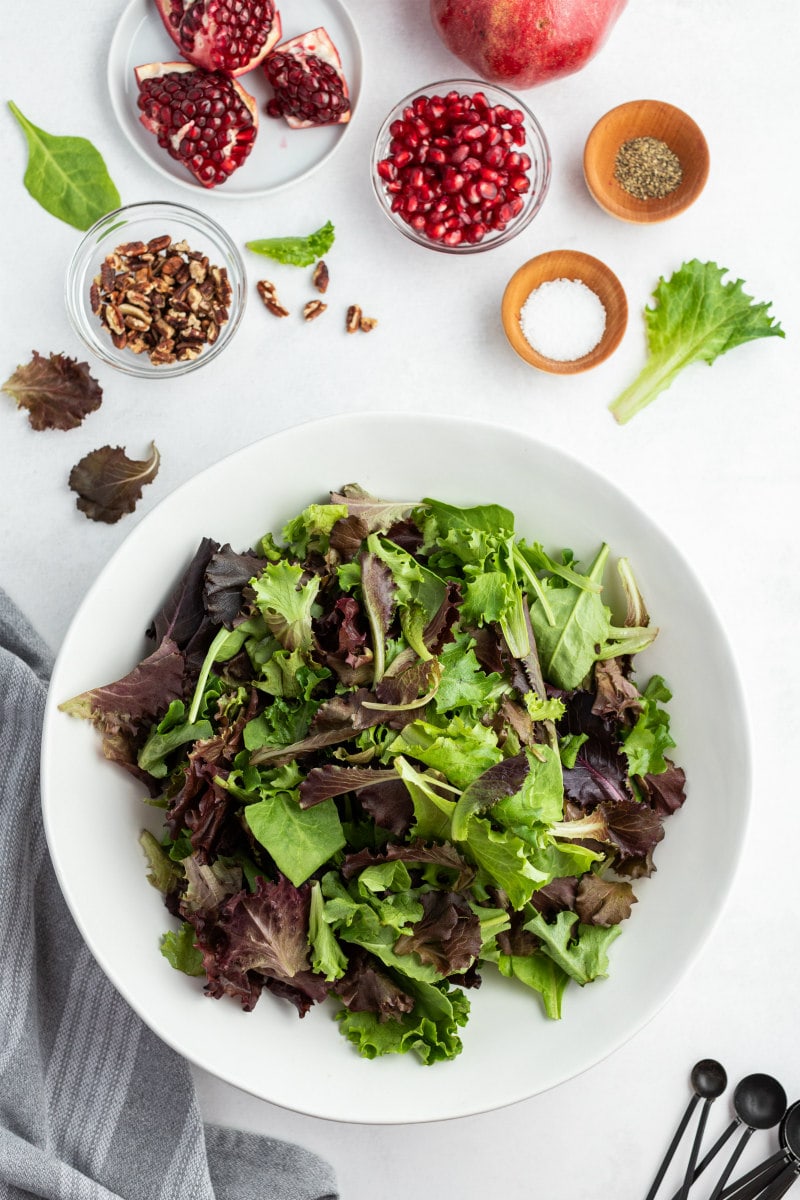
647 212
79 266
612 334
528 214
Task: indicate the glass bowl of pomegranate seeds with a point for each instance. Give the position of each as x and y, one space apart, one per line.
461 166
156 289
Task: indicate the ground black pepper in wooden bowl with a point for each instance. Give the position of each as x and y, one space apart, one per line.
647 169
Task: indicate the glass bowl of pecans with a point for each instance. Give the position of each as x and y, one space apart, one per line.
156 289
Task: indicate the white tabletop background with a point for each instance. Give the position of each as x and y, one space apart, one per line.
714 461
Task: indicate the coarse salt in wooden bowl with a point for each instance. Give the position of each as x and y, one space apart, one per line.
571 265
645 119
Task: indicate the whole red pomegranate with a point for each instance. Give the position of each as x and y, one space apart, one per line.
521 43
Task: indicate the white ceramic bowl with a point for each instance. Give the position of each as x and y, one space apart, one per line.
93 811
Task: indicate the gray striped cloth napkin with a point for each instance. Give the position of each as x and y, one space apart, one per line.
92 1105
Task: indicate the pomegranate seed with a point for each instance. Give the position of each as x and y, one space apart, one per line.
387 170
490 174
453 180
435 230
435 155
519 183
518 136
493 136
471 165
453 237
487 190
402 158
515 117
474 132
418 222
459 154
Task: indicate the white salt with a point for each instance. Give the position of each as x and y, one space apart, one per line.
563 319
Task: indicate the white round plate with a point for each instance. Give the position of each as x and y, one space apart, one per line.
280 156
94 812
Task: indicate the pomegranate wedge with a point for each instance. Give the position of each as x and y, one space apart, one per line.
222 35
309 84
204 119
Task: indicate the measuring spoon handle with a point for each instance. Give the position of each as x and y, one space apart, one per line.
673 1146
751 1185
715 1149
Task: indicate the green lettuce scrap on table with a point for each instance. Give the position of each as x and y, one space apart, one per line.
697 318
396 749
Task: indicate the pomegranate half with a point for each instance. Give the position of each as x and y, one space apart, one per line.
308 81
204 119
222 35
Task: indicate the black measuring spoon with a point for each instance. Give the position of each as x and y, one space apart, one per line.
774 1176
708 1080
759 1102
713 1081
757 1098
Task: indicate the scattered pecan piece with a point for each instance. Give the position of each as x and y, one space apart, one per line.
321 278
367 324
314 308
353 319
268 294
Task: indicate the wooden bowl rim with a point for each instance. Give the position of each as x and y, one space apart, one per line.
627 208
566 264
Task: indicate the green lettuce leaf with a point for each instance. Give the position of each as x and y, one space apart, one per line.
697 318
296 251
646 742
299 840
581 630
171 732
580 950
430 1029
285 601
503 857
460 751
327 957
179 950
539 972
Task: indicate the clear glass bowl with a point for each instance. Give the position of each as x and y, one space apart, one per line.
141 223
535 146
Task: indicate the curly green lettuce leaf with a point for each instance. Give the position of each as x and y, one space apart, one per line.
430 1029
645 744
311 529
461 751
296 251
285 601
580 950
697 318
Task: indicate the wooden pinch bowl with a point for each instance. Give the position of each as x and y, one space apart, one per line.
565 264
645 118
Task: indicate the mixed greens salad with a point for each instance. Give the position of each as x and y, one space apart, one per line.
396 749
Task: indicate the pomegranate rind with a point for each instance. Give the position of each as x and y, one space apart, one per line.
173 138
207 47
316 43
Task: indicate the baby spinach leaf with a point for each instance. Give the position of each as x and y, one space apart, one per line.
66 175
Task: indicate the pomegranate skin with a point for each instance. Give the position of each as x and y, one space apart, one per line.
522 43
